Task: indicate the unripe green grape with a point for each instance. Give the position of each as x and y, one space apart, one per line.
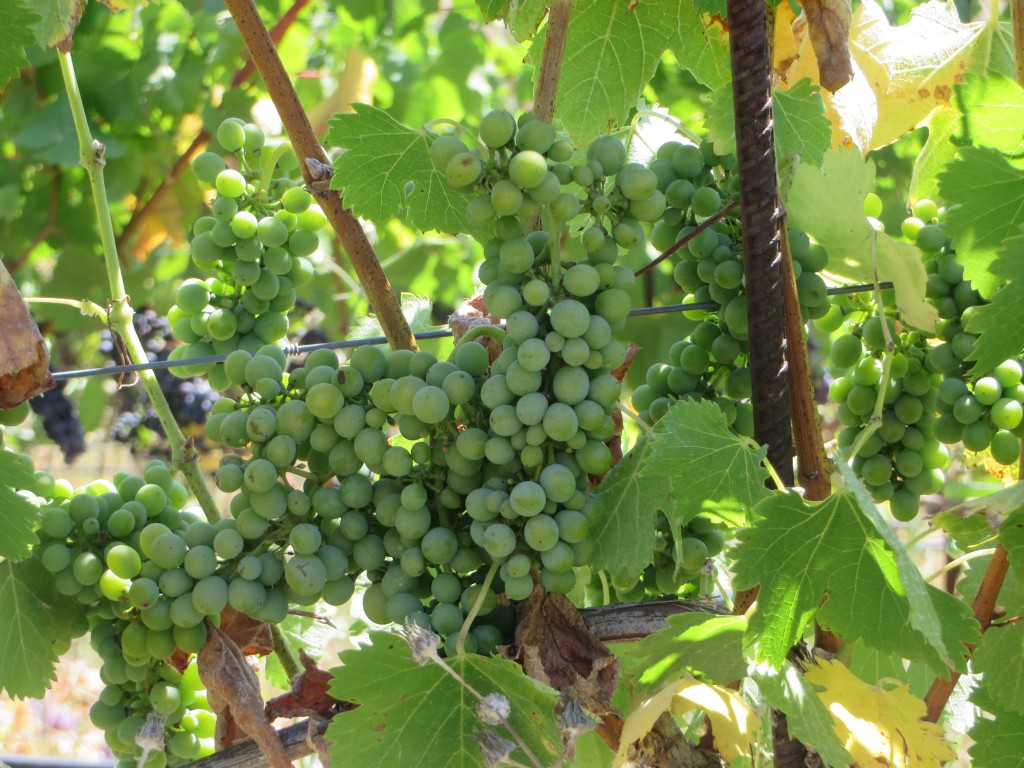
705 202
443 149
688 161
527 169
609 151
296 200
207 165
231 135
506 198
536 136
463 169
230 183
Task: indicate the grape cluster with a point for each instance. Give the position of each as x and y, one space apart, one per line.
189 399
679 562
148 575
902 459
60 421
258 238
984 413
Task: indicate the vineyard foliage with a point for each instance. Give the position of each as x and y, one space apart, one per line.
560 523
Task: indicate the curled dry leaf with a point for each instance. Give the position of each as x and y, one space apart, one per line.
556 647
471 314
251 636
234 695
309 695
24 362
829 23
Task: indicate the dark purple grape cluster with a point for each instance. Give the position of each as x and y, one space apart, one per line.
60 421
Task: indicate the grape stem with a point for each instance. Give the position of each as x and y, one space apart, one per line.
675 123
647 428
459 128
606 593
876 414
285 653
460 641
956 563
84 306
91 151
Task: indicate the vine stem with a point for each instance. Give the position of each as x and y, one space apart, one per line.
285 654
183 453
84 306
551 60
708 222
1017 22
983 606
307 148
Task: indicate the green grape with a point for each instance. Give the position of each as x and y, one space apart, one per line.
124 561
230 183
705 202
210 595
609 153
528 169
541 533
296 200
231 135
497 128
206 166
463 169
439 545
536 136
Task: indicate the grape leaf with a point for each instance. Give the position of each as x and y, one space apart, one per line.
16 34
992 110
999 742
930 614
701 642
119 5
937 152
57 20
382 157
624 522
878 725
985 195
24 360
785 689
611 52
412 714
522 17
734 725
1000 323
708 465
900 73
17 533
800 552
801 127
701 44
1000 655
828 204
37 620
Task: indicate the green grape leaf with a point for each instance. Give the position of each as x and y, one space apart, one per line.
992 110
1011 536
37 619
802 552
970 516
382 157
16 22
786 689
998 742
522 17
985 198
1000 323
17 534
698 642
711 468
801 127
701 44
624 523
937 152
57 20
611 52
119 5
930 613
1000 658
408 710
828 204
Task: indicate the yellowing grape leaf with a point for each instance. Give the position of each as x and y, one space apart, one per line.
900 74
24 361
120 5
734 724
877 725
57 20
827 204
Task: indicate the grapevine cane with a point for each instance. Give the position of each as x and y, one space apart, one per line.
91 151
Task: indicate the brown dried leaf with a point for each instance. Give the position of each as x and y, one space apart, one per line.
471 314
556 647
24 361
234 695
829 23
252 636
308 696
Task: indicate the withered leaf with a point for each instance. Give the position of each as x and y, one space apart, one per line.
556 647
234 695
308 696
829 24
251 636
24 361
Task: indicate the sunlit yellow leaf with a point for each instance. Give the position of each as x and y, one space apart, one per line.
879 726
900 74
733 723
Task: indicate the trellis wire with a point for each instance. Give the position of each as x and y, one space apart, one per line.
297 349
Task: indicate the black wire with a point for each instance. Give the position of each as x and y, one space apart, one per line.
294 349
